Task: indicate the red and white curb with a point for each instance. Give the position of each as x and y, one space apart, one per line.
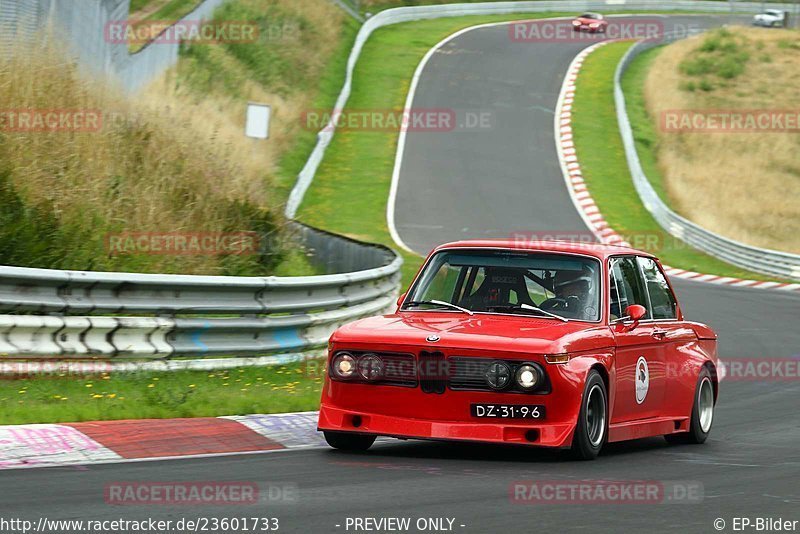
583 200
65 444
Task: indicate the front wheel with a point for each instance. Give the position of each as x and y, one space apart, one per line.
592 428
702 412
348 441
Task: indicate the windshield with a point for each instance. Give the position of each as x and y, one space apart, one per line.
529 283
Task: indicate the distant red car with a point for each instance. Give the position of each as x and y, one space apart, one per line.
550 344
590 22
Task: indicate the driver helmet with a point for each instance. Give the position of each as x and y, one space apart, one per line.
565 279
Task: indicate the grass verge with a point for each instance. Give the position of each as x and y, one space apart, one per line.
605 168
643 126
740 176
140 395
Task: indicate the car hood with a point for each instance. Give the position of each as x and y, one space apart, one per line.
480 331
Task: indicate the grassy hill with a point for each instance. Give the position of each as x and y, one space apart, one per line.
741 180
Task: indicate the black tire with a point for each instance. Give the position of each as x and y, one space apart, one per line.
348 441
700 424
591 431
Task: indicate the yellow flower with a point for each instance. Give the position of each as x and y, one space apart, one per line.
111 395
192 385
151 385
155 378
96 396
211 376
64 398
88 385
22 391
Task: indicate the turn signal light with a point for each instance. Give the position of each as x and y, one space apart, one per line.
557 358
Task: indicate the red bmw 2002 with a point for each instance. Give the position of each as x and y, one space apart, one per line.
551 344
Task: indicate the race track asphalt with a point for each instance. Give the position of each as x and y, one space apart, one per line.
483 184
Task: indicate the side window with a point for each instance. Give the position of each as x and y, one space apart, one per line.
661 298
628 285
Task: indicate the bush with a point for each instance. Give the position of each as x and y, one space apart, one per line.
721 54
144 170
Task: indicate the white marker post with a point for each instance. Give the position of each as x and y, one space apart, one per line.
258 116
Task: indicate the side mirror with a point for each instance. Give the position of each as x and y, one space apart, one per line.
635 312
400 299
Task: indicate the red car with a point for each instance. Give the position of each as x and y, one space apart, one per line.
550 344
590 22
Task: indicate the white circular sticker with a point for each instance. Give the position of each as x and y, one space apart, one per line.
642 380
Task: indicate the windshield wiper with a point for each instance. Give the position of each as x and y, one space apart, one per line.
515 307
440 303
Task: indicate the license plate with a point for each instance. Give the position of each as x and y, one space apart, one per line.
508 411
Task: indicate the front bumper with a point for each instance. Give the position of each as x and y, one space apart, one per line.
540 433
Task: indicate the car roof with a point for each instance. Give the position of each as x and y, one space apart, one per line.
598 250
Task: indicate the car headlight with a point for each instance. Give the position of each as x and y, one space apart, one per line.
344 365
594 25
370 367
498 375
527 376
576 23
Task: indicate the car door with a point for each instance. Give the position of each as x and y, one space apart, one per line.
639 355
669 326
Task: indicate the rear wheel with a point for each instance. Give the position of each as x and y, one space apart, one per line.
702 412
347 441
592 428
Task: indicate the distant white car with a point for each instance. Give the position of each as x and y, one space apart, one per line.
770 18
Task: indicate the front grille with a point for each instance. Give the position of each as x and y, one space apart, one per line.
399 369
470 374
433 372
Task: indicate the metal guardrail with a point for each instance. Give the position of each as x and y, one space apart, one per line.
270 314
771 262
